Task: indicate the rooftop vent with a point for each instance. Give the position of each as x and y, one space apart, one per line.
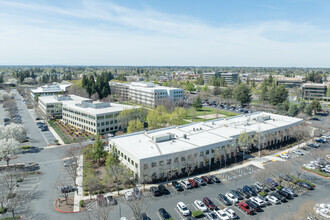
185 136
163 137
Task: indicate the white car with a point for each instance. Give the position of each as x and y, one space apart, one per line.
284 156
222 215
232 198
273 200
128 195
259 186
310 166
230 213
259 201
200 205
186 184
266 201
123 218
298 152
211 216
183 208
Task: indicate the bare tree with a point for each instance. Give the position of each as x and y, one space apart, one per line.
144 177
279 168
306 210
191 163
261 176
15 202
297 163
10 106
166 169
71 165
100 213
91 183
3 194
138 206
9 179
117 174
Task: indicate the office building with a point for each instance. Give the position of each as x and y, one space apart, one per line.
290 82
230 78
314 91
49 90
200 144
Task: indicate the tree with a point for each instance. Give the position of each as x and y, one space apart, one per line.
177 116
243 142
242 93
10 106
138 206
279 95
72 168
8 148
191 163
121 77
128 115
293 110
15 202
227 94
91 183
9 179
13 131
134 126
98 149
316 106
158 117
99 212
197 103
264 93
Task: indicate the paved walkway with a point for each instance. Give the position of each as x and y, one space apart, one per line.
51 129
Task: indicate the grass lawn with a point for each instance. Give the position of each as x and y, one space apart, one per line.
207 111
59 132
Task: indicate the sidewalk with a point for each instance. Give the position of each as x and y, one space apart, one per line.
258 162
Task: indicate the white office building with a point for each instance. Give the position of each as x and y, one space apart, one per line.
173 149
145 93
49 90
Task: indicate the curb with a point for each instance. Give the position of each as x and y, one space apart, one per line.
66 211
315 173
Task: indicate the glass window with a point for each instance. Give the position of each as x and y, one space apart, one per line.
169 161
153 164
201 153
207 152
145 166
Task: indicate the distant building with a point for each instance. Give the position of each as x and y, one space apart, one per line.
200 144
230 78
145 93
290 82
314 91
93 116
49 90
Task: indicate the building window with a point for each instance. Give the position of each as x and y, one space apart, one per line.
136 166
153 164
207 152
183 159
201 153
161 163
169 161
145 166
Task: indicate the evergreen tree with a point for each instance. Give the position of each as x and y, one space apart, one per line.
242 93
197 103
264 93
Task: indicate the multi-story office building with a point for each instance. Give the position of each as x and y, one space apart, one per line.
230 78
145 93
290 82
173 149
49 90
314 91
93 116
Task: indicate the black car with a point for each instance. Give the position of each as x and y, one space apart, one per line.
215 179
162 189
254 188
305 185
68 189
253 205
6 120
237 194
154 191
251 191
44 128
164 214
286 177
143 216
177 186
285 194
224 199
111 200
278 196
40 125
244 193
137 193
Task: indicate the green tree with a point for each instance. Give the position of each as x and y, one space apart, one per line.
264 93
98 149
242 93
1 78
177 116
316 106
227 93
278 94
302 105
189 87
309 110
121 77
158 117
200 80
197 104
134 126
293 110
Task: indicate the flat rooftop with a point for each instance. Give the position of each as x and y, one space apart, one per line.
195 135
48 99
51 88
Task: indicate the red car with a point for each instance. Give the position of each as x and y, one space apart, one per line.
245 207
193 183
208 202
206 179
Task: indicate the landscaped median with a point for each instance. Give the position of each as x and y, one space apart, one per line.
59 132
317 172
295 180
66 206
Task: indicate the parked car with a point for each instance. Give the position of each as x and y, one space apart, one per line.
208 202
128 196
229 212
154 191
40 125
101 201
321 140
244 193
221 215
137 193
278 196
232 198
286 177
248 189
253 205
259 186
186 184
44 128
258 201
271 182
111 200
200 181
177 186
68 189
215 179
211 216
298 152
273 199
246 208
206 179
305 185
290 191
144 216
193 183
284 156
183 209
162 189
200 205
255 188
236 194
164 214
224 199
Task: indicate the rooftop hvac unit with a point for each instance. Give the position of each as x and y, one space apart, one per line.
200 128
163 137
185 136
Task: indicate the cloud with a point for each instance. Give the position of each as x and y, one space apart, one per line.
104 33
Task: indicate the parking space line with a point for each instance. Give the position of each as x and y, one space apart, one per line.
242 211
178 213
159 216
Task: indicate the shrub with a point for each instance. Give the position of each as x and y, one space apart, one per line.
197 213
317 172
25 147
86 193
3 210
20 180
81 203
11 195
296 180
279 187
11 218
263 194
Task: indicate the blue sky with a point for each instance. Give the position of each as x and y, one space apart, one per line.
285 33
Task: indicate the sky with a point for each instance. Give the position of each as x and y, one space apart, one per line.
270 33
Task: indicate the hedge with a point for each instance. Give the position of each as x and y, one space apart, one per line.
263 194
11 218
197 214
296 180
316 171
279 187
81 203
25 147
